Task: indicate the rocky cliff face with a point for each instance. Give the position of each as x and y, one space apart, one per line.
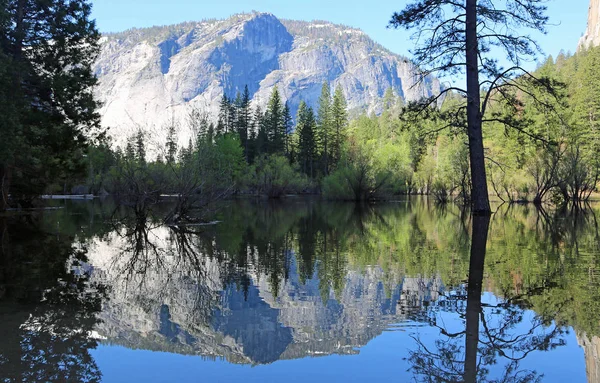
592 33
591 347
153 77
159 301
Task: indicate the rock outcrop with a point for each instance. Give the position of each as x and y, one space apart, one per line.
592 33
591 347
153 77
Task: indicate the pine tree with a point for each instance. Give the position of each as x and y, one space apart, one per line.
261 142
243 120
46 101
389 99
129 151
585 100
305 129
287 126
274 123
224 110
205 130
339 121
458 38
210 133
171 145
140 147
324 127
232 114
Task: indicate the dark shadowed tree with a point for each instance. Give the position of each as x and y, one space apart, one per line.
339 122
464 38
305 129
171 145
223 120
244 116
48 111
323 130
288 128
274 123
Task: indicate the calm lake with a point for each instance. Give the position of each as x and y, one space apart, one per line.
300 290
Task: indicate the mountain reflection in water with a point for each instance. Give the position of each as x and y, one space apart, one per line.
469 299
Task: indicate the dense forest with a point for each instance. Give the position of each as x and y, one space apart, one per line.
541 147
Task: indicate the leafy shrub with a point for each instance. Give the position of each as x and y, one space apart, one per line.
274 177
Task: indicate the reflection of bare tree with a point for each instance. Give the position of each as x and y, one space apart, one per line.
495 333
155 263
568 224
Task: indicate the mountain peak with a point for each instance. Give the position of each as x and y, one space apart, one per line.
592 33
153 77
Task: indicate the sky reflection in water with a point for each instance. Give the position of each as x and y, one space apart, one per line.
300 290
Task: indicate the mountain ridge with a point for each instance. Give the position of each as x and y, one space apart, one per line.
153 77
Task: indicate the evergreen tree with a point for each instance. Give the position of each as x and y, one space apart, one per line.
205 129
389 99
305 129
46 101
129 151
274 123
232 114
261 142
287 125
324 127
210 133
171 145
140 147
339 121
458 38
586 102
243 120
223 120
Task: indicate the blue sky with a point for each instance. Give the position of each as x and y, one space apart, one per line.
568 17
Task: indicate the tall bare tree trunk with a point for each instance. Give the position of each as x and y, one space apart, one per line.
479 190
5 177
481 225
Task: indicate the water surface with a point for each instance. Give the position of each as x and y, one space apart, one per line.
300 290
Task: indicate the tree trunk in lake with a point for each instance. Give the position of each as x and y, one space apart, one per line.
4 256
478 243
479 190
5 176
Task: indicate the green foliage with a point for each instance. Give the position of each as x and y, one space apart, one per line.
275 123
307 140
324 129
46 81
358 178
274 177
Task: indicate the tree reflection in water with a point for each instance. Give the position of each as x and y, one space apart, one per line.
151 256
48 306
279 281
499 333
